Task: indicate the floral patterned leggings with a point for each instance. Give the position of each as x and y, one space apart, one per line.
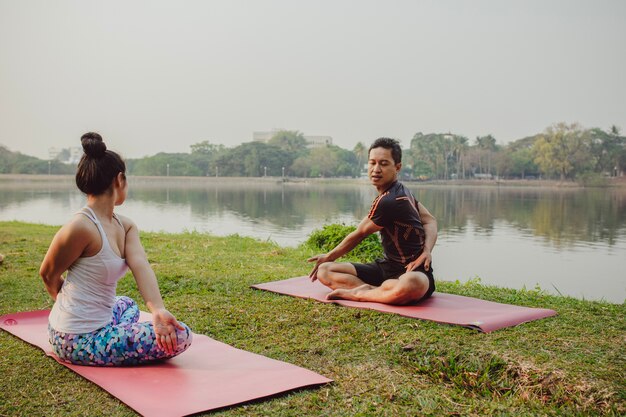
122 342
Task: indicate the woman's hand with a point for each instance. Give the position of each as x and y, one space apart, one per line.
165 325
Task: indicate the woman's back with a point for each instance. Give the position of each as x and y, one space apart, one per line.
88 293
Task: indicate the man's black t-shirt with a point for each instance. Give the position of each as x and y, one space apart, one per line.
395 210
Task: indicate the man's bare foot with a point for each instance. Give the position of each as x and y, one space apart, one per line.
339 294
350 293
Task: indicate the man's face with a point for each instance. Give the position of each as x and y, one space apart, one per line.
381 169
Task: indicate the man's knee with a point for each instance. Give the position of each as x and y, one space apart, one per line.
410 288
324 272
338 275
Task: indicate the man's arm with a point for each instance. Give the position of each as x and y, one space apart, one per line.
430 231
363 230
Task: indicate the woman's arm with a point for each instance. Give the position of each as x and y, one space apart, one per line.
67 246
165 323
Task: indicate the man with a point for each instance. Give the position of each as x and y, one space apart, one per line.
408 233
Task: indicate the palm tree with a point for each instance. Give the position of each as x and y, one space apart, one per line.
459 146
361 154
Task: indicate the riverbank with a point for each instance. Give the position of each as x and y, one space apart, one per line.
17 179
382 364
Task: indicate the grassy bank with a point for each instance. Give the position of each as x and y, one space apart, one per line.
571 364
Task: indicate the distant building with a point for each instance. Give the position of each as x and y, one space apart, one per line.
53 153
317 141
68 155
312 141
264 136
75 154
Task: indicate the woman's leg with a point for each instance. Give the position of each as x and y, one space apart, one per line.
123 342
125 310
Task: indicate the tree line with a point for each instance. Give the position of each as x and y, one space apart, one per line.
285 154
563 151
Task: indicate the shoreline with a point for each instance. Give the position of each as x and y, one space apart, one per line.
612 183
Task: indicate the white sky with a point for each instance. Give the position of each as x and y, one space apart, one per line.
154 76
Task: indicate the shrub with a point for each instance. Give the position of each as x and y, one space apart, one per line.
329 236
592 179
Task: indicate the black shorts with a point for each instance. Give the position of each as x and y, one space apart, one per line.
377 272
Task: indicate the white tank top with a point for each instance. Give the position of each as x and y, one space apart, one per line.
85 302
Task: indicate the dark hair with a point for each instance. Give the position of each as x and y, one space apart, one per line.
98 166
388 143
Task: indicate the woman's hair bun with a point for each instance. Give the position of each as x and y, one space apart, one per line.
93 145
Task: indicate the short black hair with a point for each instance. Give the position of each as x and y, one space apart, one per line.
388 143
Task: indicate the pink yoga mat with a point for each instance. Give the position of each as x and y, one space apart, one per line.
482 315
209 375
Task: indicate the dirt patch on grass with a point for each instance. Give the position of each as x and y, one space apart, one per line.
493 375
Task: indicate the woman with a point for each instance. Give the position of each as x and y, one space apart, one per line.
88 324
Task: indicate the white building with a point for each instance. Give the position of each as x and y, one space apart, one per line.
264 136
53 153
318 141
312 141
75 153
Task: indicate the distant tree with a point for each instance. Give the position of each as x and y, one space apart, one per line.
437 153
206 148
323 162
250 159
459 149
17 163
290 141
203 155
326 161
610 150
360 151
163 164
427 149
484 151
516 160
564 150
486 142
422 169
348 165
301 167
516 163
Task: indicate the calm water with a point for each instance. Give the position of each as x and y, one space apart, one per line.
571 242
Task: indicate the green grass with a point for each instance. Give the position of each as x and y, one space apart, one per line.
382 364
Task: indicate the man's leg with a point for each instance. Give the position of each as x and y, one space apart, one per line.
337 275
407 288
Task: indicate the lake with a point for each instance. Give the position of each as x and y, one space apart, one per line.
568 241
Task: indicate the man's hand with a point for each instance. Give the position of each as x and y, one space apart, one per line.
318 259
425 258
165 326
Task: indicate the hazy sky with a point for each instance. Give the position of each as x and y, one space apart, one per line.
154 76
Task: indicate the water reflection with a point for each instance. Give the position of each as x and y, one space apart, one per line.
283 205
558 238
562 217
